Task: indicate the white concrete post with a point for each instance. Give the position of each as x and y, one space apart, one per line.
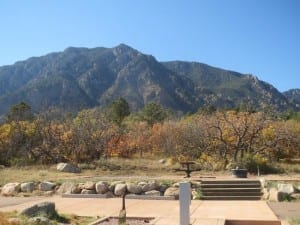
184 203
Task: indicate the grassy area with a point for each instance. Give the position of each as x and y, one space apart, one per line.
294 221
6 219
104 168
111 169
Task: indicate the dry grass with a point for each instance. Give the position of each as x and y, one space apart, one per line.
111 169
3 219
294 221
105 168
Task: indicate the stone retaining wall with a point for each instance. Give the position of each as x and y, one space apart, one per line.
113 189
280 191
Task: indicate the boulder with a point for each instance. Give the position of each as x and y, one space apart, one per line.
80 186
120 189
11 189
172 191
142 183
295 196
263 182
195 184
65 188
273 195
162 161
266 194
27 187
163 188
89 185
46 209
88 192
153 193
40 220
152 185
134 188
76 189
282 196
102 187
109 194
286 188
46 186
176 185
113 185
67 168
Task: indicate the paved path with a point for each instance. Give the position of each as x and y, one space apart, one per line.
165 211
285 210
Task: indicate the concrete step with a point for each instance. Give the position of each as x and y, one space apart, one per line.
235 181
239 193
224 185
237 189
249 198
230 189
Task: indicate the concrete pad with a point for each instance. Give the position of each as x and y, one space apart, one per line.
166 212
235 210
152 208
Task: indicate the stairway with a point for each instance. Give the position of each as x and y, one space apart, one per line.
237 189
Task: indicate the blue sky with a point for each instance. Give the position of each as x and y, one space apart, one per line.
260 37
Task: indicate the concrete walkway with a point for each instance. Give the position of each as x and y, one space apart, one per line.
165 211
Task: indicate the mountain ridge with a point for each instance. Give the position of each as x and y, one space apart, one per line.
79 78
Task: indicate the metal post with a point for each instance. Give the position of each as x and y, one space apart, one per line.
184 203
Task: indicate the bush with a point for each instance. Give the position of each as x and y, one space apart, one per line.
256 162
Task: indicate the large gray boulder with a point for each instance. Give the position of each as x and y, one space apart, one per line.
295 196
27 187
89 185
46 186
152 185
273 195
67 168
11 189
120 189
102 187
286 188
113 185
76 189
66 188
45 209
172 191
134 188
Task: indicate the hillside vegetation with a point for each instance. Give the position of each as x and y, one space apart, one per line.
216 139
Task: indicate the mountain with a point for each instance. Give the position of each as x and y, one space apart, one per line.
228 89
293 96
80 78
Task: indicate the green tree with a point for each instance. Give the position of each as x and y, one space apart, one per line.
153 113
20 112
119 110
